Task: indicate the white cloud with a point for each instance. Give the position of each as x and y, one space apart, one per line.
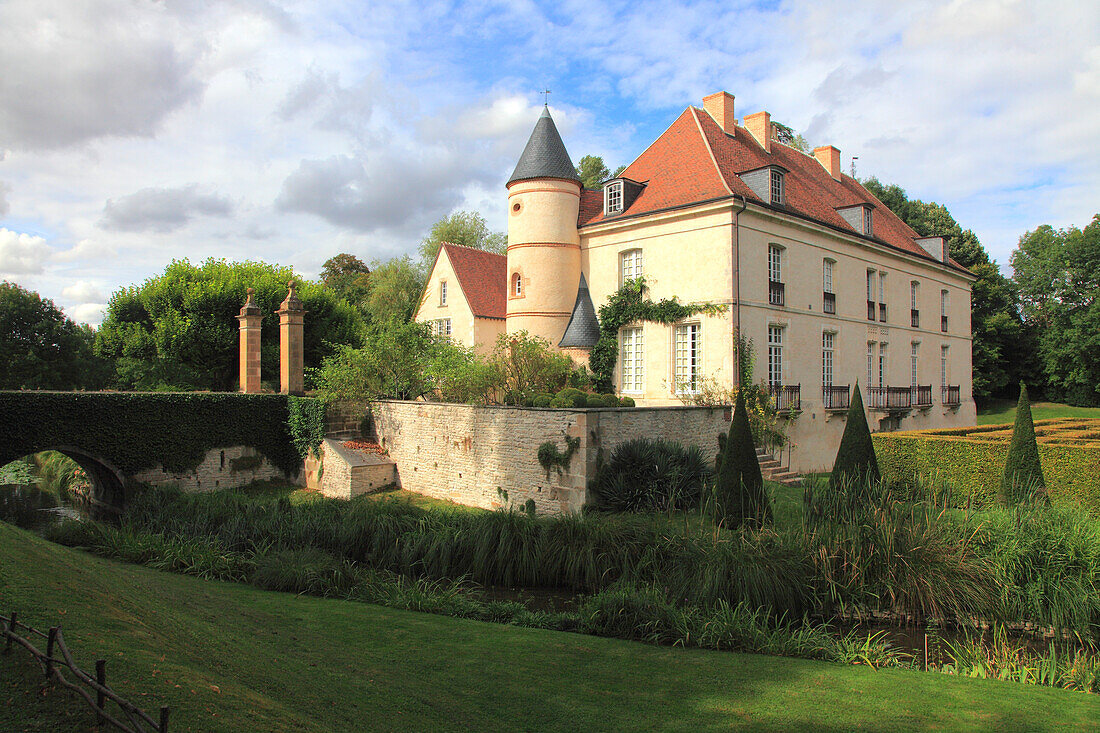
90 313
84 291
86 250
162 209
5 189
22 254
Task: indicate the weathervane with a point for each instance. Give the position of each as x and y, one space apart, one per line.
546 97
854 159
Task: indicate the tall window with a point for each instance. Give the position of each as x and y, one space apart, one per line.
443 292
775 355
613 197
777 187
882 287
914 307
882 365
775 263
828 339
868 222
943 365
943 310
630 265
914 355
870 364
632 356
872 310
827 275
517 285
688 357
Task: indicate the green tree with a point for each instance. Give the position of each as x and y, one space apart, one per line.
740 499
593 171
395 290
1023 475
467 228
179 329
1004 348
42 349
1058 276
855 459
349 276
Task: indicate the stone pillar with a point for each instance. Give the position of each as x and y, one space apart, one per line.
291 347
250 318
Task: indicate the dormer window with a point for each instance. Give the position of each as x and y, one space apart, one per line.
613 197
860 217
868 222
777 187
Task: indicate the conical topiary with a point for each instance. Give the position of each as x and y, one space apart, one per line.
1023 475
855 459
740 498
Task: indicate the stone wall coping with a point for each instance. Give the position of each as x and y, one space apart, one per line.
654 408
356 458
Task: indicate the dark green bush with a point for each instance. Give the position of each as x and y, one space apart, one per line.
560 402
573 397
542 400
651 475
1023 475
855 459
626 402
739 497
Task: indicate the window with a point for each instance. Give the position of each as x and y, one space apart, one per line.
882 297
442 327
630 265
882 365
517 285
828 339
633 360
870 364
777 187
914 356
943 310
943 365
829 297
871 310
775 274
443 292
868 221
775 355
613 197
688 357
914 300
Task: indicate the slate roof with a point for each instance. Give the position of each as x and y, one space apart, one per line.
583 330
695 161
483 277
545 155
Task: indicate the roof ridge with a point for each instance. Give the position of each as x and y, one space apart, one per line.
710 151
472 249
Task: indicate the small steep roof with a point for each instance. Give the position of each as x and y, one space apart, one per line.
583 330
483 277
545 155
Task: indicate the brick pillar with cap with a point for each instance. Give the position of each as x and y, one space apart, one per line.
250 318
291 346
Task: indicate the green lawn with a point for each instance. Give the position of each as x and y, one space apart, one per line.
230 657
1004 411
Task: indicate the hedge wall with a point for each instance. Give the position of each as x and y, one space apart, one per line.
135 431
973 466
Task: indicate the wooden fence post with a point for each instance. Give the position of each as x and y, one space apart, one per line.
49 650
11 630
164 719
100 698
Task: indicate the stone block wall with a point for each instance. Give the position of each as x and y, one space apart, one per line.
221 468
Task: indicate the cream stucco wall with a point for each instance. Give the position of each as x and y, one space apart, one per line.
466 329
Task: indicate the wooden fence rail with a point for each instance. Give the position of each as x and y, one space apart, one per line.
137 720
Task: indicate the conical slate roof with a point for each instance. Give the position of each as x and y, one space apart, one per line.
545 155
583 330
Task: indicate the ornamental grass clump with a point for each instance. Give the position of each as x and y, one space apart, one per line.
651 475
1022 481
739 496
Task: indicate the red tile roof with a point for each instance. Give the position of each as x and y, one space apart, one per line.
483 277
694 161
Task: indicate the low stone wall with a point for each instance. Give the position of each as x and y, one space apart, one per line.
488 456
221 468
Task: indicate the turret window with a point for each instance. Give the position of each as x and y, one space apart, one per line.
613 197
517 285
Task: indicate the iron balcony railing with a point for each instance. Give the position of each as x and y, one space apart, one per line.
943 323
914 318
922 395
870 310
891 398
882 312
950 395
830 303
786 396
775 292
836 398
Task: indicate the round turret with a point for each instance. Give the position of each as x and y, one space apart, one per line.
544 249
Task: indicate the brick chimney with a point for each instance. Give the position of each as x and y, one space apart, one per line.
250 318
720 106
829 157
760 126
291 346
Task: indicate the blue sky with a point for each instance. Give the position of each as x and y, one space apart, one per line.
135 132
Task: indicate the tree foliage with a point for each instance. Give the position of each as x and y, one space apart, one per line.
1023 475
349 276
593 171
1003 347
42 349
395 289
467 228
855 459
1058 276
739 497
179 329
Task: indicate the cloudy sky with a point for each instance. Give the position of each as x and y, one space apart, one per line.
133 132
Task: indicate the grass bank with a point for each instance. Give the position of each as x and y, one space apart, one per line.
997 412
230 657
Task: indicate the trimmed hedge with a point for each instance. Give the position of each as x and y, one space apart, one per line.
135 431
973 466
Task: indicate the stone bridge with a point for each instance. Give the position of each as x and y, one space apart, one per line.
198 441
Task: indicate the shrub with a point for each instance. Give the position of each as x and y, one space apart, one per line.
648 475
542 400
304 570
855 459
1023 475
573 397
739 494
560 402
626 402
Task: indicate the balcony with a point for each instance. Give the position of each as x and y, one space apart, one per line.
943 323
890 398
914 318
775 293
786 396
870 310
829 303
921 395
835 398
950 396
882 312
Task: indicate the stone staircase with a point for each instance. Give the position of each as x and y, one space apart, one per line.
773 470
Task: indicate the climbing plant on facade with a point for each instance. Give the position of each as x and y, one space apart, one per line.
630 305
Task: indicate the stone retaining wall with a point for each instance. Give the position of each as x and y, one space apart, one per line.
221 468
